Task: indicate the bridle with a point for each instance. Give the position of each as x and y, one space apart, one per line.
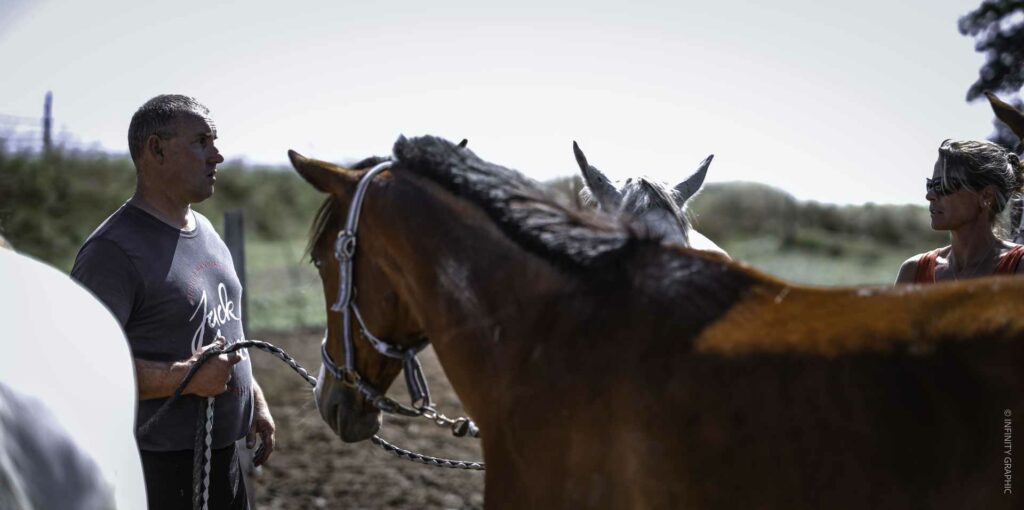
419 393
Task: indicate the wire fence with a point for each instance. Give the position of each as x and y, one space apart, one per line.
20 133
27 134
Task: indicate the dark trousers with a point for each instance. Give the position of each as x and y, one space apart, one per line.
169 480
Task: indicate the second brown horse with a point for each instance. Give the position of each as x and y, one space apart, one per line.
607 370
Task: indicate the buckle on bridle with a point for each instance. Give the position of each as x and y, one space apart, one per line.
345 245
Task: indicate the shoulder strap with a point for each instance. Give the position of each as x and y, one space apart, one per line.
1008 262
926 267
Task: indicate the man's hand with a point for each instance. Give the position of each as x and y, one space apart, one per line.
262 426
213 377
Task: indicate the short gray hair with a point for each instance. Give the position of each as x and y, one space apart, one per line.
157 117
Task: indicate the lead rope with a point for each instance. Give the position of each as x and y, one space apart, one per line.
202 457
204 427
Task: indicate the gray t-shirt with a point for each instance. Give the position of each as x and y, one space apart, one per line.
173 291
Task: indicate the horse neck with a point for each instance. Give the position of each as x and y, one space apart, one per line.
468 284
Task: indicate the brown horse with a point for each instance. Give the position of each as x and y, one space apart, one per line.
607 370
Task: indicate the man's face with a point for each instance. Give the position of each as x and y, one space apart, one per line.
191 159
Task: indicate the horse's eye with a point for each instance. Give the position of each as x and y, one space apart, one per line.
316 262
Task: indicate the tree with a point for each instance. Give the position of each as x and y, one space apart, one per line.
997 27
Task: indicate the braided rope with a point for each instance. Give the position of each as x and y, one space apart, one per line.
425 459
209 452
376 439
198 455
284 356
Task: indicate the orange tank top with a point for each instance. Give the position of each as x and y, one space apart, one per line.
926 265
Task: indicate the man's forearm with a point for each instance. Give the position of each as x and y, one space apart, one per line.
158 379
257 394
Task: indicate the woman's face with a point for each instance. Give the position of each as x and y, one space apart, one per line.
952 209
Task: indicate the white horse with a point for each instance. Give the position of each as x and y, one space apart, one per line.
657 206
67 396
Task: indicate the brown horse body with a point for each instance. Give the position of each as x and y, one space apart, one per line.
610 371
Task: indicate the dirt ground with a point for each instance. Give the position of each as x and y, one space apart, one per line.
312 468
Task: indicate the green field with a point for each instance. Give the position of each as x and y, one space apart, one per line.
283 289
873 265
50 204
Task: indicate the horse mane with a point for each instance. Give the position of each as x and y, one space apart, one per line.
517 204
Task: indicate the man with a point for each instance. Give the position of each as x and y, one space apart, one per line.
169 280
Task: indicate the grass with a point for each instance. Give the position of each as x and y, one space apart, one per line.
283 290
50 203
871 265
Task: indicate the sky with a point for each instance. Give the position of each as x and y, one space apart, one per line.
842 102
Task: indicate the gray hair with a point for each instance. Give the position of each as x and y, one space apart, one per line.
157 117
978 164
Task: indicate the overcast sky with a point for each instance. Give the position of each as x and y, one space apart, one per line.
834 101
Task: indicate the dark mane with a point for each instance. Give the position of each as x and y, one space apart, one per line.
516 203
327 219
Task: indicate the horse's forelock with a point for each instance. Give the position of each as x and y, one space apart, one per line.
587 198
325 221
642 196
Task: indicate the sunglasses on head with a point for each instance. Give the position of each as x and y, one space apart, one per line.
943 187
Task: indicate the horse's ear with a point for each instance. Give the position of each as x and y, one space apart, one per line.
689 187
608 198
463 143
324 176
1011 116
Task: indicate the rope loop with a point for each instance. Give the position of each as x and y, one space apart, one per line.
460 428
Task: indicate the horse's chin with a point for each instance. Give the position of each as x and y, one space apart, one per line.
346 412
352 429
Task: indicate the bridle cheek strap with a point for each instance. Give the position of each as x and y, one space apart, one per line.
344 251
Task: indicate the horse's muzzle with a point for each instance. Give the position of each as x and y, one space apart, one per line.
348 414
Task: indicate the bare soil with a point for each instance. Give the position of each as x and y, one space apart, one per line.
312 468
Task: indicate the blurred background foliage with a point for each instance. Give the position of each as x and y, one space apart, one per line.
50 203
805 241
52 199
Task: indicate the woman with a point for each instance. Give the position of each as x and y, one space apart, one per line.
972 183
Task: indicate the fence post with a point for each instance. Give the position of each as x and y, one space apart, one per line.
234 237
48 123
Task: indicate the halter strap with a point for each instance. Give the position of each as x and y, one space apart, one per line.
419 392
344 251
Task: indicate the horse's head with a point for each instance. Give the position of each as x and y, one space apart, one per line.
351 412
658 207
